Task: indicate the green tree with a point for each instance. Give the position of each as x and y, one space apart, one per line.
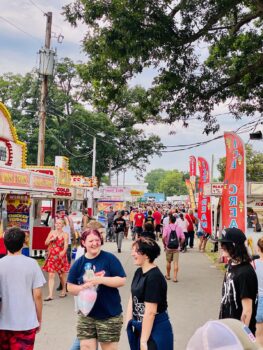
172 183
153 178
204 53
70 128
254 164
169 182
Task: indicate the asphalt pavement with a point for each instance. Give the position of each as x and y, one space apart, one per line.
192 301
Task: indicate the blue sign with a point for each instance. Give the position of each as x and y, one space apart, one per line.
154 197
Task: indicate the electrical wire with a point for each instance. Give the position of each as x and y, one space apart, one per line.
244 128
21 30
65 148
201 143
63 116
32 2
40 9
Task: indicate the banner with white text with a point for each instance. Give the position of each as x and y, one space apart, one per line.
234 192
204 202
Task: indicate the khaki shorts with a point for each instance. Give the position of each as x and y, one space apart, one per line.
172 256
106 331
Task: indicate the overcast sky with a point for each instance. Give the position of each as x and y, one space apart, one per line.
22 28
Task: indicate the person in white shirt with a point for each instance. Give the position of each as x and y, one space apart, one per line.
21 280
183 223
166 220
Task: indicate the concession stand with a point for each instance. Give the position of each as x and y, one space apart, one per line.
254 202
61 196
31 195
18 185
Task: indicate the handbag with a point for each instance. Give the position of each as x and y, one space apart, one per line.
258 227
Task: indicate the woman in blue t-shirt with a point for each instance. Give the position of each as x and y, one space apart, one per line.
148 324
104 321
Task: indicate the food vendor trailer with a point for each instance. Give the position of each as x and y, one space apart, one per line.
62 195
17 184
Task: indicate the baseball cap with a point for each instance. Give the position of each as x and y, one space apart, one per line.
226 334
232 235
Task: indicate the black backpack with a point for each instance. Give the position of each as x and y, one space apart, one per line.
173 242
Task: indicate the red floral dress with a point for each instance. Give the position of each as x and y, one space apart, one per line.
54 262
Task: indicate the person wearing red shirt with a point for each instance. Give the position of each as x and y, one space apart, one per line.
191 231
157 222
138 222
3 251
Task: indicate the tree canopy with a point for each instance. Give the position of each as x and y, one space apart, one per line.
203 52
71 127
169 182
254 164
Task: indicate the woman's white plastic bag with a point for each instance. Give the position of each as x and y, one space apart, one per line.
86 300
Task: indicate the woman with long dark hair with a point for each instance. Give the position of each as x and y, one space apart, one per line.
240 286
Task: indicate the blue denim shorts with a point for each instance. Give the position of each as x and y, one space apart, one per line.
259 315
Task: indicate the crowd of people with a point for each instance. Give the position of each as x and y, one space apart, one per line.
101 272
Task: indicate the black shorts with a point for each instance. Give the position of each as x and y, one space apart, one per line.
138 229
158 228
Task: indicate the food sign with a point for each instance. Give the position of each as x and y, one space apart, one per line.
18 207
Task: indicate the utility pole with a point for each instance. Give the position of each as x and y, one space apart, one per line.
94 157
110 167
43 99
212 168
124 171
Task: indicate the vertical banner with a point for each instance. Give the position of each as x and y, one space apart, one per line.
204 202
191 193
234 193
192 163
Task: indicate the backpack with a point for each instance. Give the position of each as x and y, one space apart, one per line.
173 242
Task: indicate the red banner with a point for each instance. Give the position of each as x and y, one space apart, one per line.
204 203
234 194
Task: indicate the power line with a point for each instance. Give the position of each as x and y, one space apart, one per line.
63 116
61 144
243 128
40 9
201 143
32 2
21 30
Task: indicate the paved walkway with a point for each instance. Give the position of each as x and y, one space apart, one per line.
191 302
